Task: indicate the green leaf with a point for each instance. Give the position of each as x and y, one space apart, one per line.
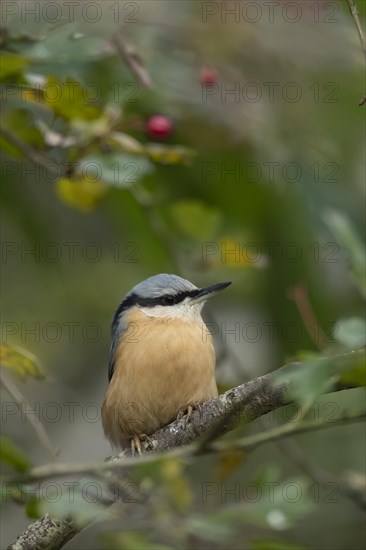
20 362
351 332
346 235
120 170
195 219
75 47
32 509
13 455
315 376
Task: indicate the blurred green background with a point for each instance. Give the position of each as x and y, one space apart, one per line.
258 181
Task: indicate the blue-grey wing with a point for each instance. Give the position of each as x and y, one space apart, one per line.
118 327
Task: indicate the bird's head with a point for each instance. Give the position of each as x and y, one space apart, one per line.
162 296
167 296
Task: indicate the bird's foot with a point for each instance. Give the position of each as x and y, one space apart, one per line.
136 444
150 445
188 413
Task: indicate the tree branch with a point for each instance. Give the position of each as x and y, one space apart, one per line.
215 417
46 533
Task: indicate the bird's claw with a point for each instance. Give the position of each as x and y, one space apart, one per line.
188 413
136 443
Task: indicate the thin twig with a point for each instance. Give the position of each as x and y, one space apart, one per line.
132 59
354 12
32 154
355 15
291 450
251 442
38 427
300 296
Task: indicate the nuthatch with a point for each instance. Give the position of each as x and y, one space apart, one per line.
162 360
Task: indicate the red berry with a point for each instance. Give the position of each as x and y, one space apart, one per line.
159 126
209 76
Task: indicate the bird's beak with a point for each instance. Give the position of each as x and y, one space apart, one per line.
207 292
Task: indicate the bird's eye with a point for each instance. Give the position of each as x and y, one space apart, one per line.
169 301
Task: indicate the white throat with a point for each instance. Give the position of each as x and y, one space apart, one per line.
183 311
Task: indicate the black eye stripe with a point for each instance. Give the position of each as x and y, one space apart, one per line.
164 300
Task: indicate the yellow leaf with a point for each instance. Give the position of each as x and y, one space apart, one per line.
169 155
67 100
355 376
239 254
11 64
178 486
20 362
228 462
125 143
171 469
29 94
80 192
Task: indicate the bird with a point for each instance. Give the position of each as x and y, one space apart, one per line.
162 358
